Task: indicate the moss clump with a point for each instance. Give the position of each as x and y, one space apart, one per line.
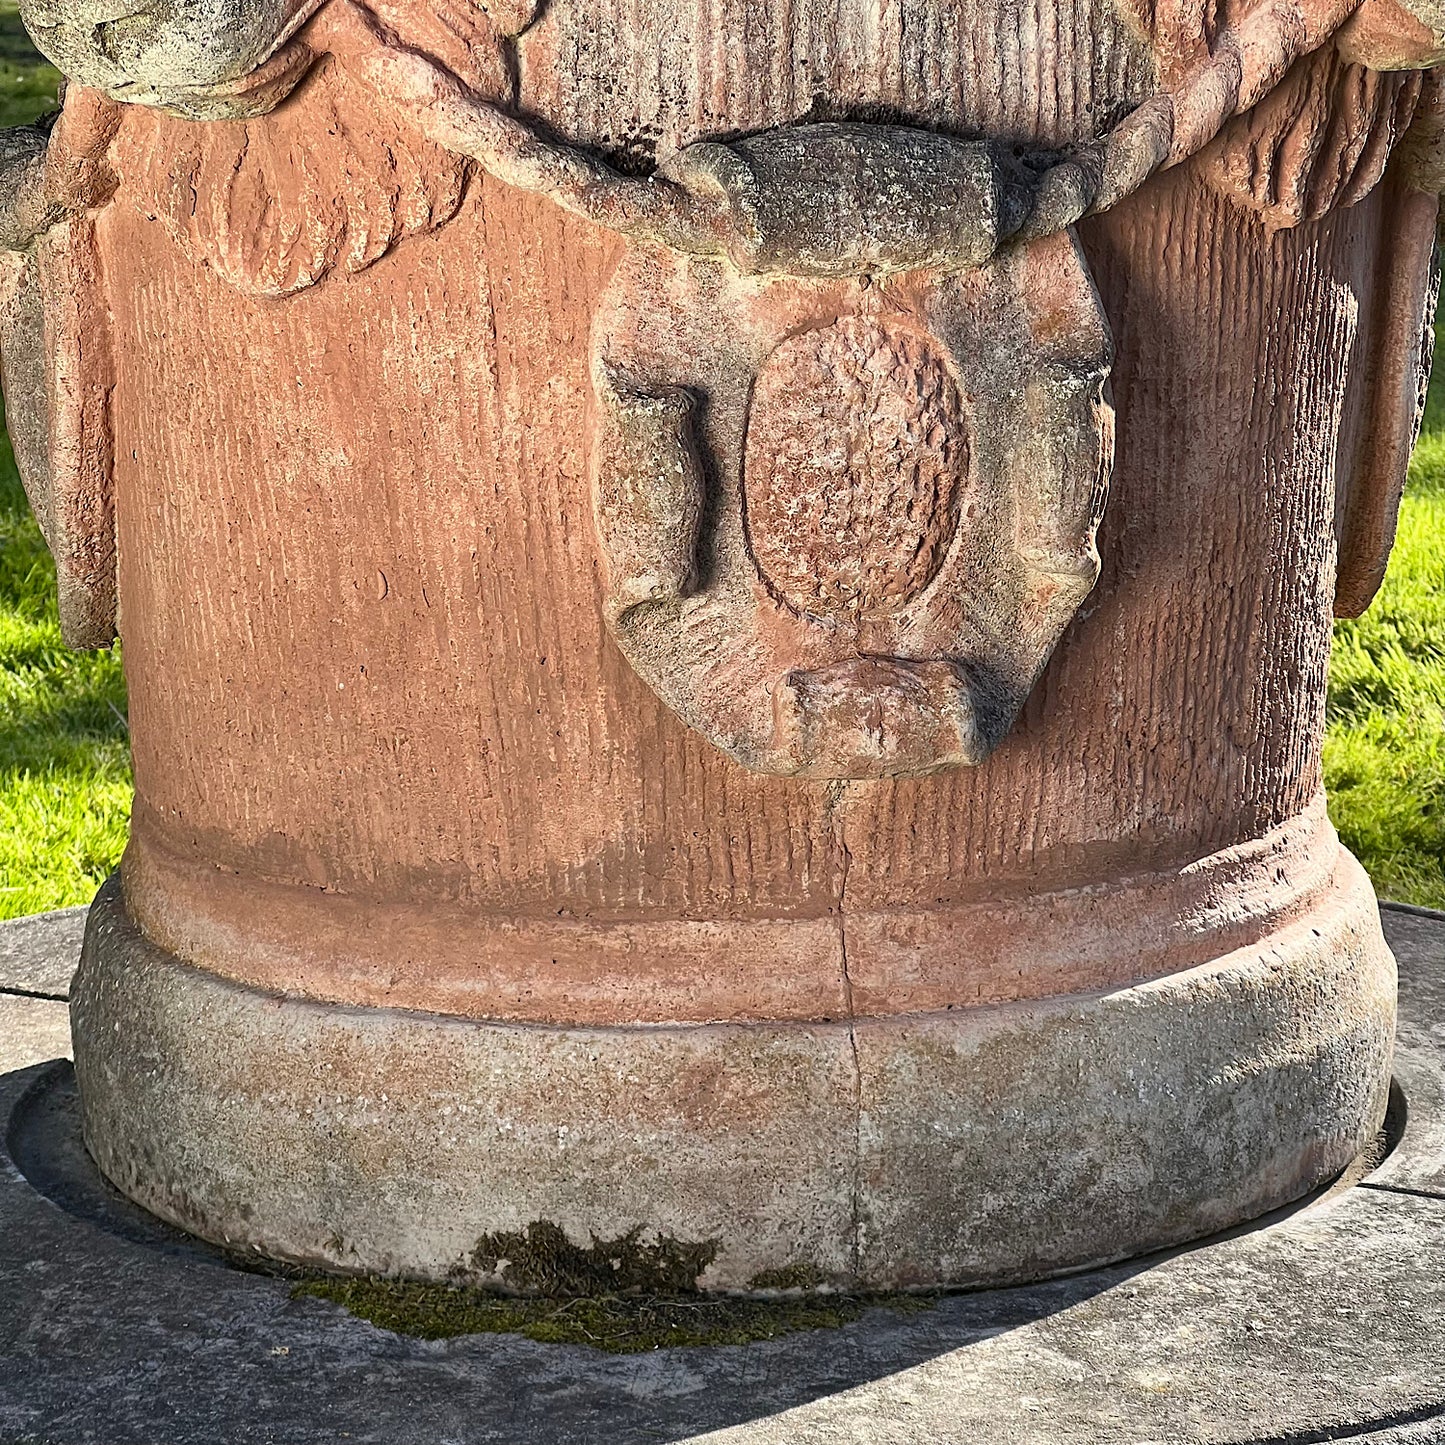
620 1295
790 1276
615 1324
541 1260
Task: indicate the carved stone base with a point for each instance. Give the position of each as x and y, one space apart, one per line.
969 1146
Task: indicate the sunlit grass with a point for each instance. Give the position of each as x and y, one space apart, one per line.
28 86
1385 747
64 761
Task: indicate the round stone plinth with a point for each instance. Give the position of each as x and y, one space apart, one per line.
966 1147
1323 1321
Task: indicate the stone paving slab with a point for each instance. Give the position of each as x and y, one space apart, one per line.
1326 1323
38 954
1417 939
31 1031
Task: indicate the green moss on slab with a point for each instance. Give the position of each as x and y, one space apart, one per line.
614 1324
620 1295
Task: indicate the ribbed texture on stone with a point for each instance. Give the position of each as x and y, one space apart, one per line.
639 78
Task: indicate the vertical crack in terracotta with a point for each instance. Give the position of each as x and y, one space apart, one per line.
836 794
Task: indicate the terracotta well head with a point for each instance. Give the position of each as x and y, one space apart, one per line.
726 612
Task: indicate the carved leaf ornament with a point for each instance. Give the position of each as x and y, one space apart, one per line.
853 438
272 213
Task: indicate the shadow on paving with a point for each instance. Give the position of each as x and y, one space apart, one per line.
115 1328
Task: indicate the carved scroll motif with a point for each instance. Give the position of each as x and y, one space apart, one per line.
847 520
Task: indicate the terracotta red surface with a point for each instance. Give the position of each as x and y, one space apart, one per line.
343 410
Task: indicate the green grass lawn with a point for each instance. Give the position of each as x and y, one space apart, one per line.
64 756
28 86
1385 747
64 763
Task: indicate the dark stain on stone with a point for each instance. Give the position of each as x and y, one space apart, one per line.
622 1295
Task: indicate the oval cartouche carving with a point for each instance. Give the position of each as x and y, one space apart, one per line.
854 465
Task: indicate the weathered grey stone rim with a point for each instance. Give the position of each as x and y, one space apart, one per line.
877 1151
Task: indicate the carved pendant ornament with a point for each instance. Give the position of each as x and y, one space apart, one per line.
852 439
847 519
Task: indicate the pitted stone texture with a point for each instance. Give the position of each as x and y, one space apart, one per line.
976 1146
1395 34
158 50
387 1140
830 618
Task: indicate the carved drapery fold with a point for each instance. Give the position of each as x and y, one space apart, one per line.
1320 140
